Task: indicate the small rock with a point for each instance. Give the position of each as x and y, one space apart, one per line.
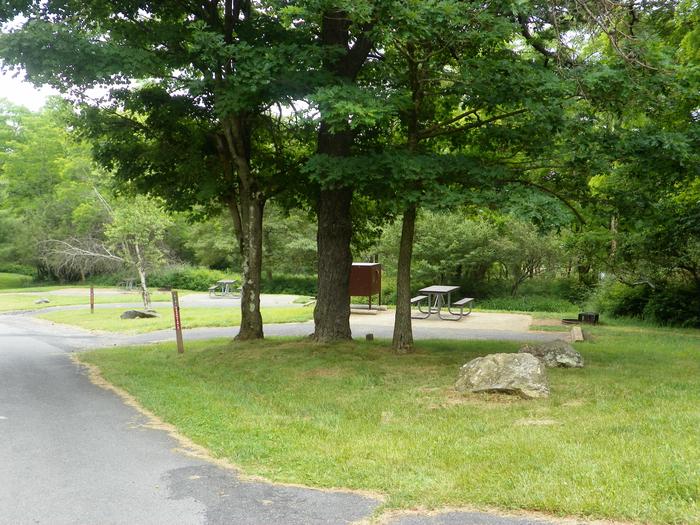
519 374
139 314
555 354
369 337
42 301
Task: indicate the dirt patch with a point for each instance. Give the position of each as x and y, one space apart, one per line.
451 398
548 322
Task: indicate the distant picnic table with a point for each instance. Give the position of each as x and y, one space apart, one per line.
438 297
126 284
224 287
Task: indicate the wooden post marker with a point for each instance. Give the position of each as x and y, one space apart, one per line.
178 324
92 299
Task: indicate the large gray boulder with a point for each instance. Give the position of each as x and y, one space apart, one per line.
555 354
139 314
520 374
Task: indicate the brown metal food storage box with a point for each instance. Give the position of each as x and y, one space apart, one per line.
366 280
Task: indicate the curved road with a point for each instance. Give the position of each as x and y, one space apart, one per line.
73 453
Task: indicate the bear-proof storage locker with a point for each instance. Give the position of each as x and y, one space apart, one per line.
366 281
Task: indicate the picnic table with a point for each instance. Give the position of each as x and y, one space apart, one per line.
437 298
223 288
126 284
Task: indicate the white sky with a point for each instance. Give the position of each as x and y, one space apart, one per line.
23 93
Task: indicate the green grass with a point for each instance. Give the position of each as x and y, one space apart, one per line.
13 280
108 319
11 301
617 439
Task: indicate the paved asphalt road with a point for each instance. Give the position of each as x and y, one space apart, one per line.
73 453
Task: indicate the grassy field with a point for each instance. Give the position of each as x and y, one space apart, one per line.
108 319
617 439
13 280
11 301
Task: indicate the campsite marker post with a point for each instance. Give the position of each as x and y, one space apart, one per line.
92 299
178 324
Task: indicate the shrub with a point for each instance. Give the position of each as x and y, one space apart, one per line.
620 300
23 269
528 303
290 284
674 305
14 280
188 278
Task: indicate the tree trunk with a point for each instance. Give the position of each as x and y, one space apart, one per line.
141 269
332 312
251 318
246 207
403 330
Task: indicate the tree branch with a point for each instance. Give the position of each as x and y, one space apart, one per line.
478 123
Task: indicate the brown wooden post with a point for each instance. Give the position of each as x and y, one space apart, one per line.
92 299
178 324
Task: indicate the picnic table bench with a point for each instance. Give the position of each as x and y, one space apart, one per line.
437 297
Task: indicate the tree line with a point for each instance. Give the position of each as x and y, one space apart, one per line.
368 111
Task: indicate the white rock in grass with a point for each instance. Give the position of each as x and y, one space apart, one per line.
42 301
555 354
520 374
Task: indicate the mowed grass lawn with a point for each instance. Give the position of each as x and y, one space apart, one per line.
24 300
108 319
618 439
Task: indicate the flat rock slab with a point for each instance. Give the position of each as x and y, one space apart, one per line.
519 374
554 354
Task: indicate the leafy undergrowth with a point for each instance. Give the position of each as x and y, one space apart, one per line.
13 280
617 439
108 318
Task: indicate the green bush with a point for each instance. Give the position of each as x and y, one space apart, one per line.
674 305
290 284
23 269
188 278
619 300
14 280
527 303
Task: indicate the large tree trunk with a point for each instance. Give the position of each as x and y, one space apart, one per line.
332 312
251 318
403 330
246 206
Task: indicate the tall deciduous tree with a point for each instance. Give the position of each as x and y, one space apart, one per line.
189 80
